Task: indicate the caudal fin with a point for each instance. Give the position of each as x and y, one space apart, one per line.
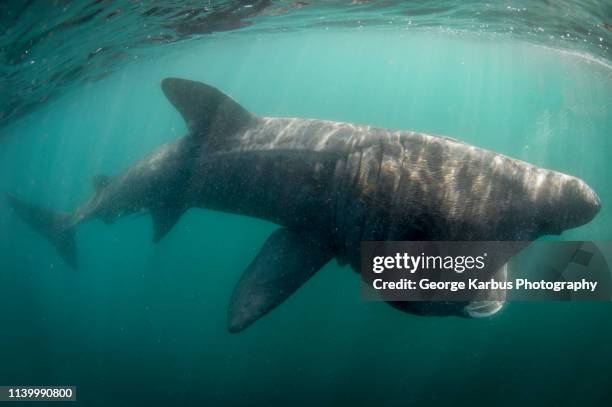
55 227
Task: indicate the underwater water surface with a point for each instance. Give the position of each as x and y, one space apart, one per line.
145 324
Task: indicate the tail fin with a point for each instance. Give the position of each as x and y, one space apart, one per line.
55 227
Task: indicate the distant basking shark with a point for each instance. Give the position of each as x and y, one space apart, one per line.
329 186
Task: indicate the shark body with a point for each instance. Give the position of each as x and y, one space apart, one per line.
329 186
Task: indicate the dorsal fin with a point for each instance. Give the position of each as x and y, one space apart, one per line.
100 182
205 109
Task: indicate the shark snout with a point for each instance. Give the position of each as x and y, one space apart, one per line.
583 202
593 200
576 205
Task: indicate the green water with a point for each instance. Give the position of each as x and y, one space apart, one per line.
145 324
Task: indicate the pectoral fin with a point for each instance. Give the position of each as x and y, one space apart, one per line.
286 261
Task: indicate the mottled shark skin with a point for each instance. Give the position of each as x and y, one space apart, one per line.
329 186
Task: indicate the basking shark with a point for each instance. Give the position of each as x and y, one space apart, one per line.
329 186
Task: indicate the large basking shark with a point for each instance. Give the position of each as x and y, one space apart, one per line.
329 186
